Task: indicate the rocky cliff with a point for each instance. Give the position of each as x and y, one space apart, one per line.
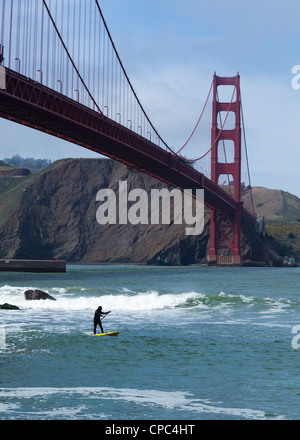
53 215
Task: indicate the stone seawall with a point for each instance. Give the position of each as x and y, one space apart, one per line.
9 265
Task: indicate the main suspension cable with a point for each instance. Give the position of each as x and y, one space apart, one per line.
200 117
69 56
128 80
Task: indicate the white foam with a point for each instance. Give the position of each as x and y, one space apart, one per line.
80 299
126 301
246 299
181 401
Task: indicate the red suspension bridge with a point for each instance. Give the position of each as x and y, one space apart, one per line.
60 73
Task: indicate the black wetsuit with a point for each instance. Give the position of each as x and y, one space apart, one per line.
97 319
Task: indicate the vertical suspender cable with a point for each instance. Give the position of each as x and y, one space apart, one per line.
90 80
69 56
10 32
42 47
84 41
246 152
79 43
2 23
35 30
48 54
30 50
18 36
68 45
62 63
74 21
127 78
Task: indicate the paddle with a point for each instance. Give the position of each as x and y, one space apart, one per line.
105 315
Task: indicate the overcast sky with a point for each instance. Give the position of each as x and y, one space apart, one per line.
171 48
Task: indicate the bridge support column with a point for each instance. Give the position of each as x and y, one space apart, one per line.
212 253
225 228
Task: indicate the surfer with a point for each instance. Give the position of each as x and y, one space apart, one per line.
97 318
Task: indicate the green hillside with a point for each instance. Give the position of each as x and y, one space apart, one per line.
282 213
13 188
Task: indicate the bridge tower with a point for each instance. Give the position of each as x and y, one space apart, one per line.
225 228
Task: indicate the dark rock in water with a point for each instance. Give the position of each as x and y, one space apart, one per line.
9 307
37 294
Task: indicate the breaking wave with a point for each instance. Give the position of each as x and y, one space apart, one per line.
128 300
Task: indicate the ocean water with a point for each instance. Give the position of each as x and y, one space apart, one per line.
195 343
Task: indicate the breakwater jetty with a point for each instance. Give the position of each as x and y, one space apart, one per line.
12 265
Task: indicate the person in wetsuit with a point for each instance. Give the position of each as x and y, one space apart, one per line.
97 318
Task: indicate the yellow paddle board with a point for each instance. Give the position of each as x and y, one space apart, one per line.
108 334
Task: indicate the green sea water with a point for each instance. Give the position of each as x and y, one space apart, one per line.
195 343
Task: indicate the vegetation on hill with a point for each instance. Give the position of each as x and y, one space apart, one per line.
29 162
4 164
281 211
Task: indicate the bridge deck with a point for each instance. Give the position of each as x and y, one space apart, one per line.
30 103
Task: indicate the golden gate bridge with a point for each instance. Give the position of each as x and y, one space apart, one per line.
60 73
